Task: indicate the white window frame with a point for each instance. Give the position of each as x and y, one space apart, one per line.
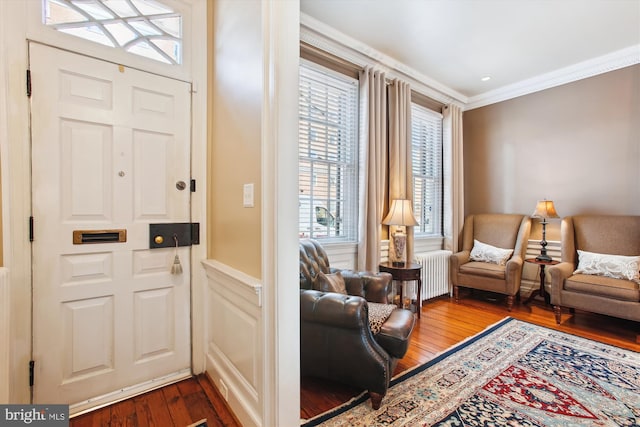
427 158
340 162
138 31
38 31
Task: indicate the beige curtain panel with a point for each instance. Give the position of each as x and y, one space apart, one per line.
453 176
373 160
400 170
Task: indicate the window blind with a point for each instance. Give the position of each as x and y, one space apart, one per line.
327 134
426 141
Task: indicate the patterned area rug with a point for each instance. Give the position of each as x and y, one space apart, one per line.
512 374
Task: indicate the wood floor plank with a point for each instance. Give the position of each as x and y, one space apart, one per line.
123 414
197 403
152 409
224 416
176 405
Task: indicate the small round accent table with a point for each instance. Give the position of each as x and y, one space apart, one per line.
541 291
404 273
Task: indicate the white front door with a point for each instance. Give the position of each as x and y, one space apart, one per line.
110 152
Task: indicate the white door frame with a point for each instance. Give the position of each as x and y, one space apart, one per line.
15 163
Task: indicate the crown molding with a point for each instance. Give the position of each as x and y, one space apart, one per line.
582 70
328 39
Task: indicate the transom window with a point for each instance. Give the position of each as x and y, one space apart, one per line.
328 155
426 141
143 27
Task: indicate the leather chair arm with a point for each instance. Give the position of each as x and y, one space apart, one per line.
332 309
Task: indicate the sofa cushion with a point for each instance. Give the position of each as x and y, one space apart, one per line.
378 314
624 290
483 269
487 253
330 282
615 266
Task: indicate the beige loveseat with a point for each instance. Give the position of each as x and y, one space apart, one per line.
601 234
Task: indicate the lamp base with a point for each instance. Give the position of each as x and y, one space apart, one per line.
399 253
544 258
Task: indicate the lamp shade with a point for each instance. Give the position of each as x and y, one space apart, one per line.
545 209
400 213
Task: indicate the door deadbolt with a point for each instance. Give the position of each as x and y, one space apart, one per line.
181 185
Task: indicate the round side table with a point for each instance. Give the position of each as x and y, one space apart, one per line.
405 273
541 291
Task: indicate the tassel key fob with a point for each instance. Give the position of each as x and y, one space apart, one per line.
176 267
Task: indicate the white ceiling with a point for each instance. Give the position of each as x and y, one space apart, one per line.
458 42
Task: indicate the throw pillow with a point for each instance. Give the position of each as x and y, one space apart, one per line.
487 253
378 314
333 282
615 266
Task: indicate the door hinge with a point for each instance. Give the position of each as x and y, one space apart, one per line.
32 365
31 229
193 185
28 83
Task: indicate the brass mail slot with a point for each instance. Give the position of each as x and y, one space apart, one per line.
83 237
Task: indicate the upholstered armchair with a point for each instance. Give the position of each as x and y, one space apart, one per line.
493 247
349 333
599 268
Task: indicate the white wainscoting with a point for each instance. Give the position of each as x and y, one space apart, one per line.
233 339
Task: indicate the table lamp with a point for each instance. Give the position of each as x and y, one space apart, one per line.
544 210
400 215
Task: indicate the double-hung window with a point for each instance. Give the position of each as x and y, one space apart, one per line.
328 154
426 141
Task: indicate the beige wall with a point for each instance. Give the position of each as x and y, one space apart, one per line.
576 144
235 102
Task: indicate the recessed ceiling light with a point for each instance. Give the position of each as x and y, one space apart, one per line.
486 78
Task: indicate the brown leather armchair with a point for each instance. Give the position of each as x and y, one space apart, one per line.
507 231
336 341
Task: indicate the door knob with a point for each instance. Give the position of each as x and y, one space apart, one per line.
158 239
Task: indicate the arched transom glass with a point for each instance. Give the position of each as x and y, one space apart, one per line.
143 27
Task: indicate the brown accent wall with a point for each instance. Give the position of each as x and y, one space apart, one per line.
576 144
234 159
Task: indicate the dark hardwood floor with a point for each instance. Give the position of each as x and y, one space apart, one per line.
443 324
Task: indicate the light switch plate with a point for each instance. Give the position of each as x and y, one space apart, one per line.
247 196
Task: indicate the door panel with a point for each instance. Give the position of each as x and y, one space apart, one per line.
108 146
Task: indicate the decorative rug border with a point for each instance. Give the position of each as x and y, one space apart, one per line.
318 419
